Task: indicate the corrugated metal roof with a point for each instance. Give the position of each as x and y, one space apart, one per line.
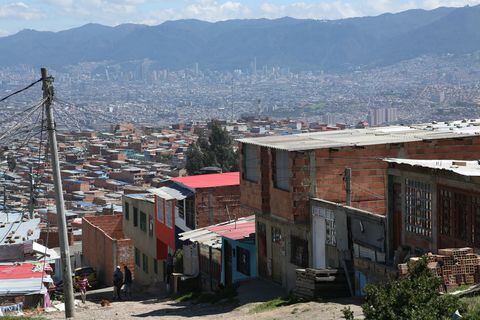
176 192
210 180
464 168
212 235
19 231
368 136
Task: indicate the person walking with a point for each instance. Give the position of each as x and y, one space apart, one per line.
82 286
128 282
117 283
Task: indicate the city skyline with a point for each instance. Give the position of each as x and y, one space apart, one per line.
56 15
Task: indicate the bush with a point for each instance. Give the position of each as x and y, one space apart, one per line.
413 297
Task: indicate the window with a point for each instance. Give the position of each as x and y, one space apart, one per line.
330 238
181 209
299 251
459 215
190 212
137 257
168 214
277 235
280 170
143 221
150 225
135 217
243 261
155 266
160 210
127 210
250 163
418 207
144 262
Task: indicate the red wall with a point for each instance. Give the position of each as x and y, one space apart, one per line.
165 235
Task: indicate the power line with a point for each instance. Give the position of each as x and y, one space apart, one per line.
21 90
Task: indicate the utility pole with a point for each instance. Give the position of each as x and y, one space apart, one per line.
47 88
32 198
5 200
348 186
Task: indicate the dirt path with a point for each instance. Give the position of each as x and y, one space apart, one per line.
174 310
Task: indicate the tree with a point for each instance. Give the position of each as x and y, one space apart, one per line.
413 297
195 159
216 150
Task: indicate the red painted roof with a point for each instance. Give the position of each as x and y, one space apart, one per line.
24 271
235 232
210 180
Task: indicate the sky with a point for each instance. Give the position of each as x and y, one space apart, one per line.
55 15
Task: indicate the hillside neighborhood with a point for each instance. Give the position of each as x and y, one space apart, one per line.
319 215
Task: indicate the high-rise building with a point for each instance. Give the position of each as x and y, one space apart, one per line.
382 115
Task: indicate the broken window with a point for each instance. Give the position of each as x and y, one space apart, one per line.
299 251
418 207
250 163
280 170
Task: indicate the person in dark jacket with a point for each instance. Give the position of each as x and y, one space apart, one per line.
117 283
128 282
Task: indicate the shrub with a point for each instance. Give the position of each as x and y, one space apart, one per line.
413 297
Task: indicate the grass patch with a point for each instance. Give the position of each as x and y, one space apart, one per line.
273 304
226 294
472 304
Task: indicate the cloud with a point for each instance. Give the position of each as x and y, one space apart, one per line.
337 9
19 10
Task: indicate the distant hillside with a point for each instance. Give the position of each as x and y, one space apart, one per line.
335 45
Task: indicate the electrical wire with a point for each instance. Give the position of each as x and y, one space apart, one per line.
20 91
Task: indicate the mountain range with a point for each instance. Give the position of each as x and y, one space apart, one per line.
331 45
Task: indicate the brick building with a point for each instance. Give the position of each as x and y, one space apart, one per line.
188 203
105 246
279 176
434 204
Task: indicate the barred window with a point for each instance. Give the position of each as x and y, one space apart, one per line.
418 207
459 214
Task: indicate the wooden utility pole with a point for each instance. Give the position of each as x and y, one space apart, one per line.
62 221
348 186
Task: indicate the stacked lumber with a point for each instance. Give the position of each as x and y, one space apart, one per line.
320 283
455 266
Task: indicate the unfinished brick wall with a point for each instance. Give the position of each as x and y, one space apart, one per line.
104 246
214 201
369 180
